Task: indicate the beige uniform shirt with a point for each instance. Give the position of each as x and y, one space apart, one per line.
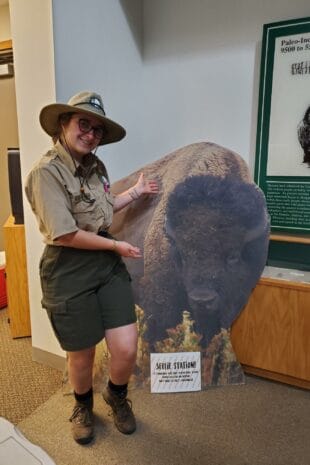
53 188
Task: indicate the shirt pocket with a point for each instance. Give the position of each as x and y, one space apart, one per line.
84 209
81 203
105 202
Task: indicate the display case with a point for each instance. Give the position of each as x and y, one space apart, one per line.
271 335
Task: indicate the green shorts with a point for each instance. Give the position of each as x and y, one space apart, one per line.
85 292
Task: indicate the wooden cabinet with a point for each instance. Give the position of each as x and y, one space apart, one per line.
16 279
271 337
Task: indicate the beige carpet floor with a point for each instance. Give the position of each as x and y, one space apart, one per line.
24 384
260 423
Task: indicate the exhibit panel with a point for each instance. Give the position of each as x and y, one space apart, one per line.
282 164
271 336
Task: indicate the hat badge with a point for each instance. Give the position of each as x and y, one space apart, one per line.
95 102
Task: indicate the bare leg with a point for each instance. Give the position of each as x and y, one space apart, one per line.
122 345
80 369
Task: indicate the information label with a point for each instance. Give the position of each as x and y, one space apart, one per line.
175 372
289 204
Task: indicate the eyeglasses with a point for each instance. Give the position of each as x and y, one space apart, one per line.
85 127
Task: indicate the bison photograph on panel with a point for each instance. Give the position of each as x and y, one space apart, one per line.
204 240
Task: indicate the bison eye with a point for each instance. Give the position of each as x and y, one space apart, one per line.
233 258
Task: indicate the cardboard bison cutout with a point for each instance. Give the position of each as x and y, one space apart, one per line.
204 240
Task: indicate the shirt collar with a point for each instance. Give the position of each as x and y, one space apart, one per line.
76 168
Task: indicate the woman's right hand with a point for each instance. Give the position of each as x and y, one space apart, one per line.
127 250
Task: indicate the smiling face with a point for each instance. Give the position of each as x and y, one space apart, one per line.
81 134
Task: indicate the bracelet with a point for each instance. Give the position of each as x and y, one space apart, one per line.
114 245
133 193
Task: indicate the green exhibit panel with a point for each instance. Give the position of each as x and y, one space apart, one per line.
282 161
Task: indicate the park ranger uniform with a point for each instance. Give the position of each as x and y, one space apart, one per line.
84 292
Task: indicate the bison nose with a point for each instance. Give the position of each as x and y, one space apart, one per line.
204 296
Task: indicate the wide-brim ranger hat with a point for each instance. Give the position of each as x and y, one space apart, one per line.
88 103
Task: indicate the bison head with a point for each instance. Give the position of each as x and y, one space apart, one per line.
218 229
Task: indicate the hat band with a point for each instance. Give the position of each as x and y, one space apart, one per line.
93 102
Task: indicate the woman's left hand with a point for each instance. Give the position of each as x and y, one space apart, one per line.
146 186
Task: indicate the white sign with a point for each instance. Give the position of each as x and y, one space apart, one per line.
175 372
290 100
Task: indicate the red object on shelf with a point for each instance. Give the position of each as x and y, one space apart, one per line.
3 296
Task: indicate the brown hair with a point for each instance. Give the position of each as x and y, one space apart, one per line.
64 118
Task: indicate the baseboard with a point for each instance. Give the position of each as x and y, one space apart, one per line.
46 358
298 382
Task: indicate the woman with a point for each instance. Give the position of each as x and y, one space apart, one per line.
85 284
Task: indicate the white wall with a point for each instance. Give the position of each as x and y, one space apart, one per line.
201 70
195 76
102 52
31 26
